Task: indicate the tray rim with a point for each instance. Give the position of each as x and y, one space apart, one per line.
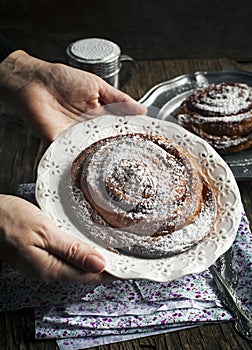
175 79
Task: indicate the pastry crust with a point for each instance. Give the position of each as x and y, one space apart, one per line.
221 114
146 187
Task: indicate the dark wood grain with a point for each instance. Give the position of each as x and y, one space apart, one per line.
20 152
144 29
152 72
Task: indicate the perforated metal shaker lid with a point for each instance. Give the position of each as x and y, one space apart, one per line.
96 55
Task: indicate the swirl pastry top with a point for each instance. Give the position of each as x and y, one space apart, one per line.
143 188
221 114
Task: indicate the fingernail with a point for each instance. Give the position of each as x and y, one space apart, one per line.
94 263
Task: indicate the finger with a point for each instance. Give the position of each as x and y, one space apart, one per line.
109 94
72 250
124 108
63 271
57 269
118 109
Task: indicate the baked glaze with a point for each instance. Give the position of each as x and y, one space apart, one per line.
142 195
221 114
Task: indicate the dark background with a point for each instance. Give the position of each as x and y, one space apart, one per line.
145 29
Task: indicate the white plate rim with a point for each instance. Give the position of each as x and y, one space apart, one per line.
55 164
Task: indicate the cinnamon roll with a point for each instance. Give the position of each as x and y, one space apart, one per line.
221 114
142 195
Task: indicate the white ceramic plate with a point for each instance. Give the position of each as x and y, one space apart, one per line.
53 198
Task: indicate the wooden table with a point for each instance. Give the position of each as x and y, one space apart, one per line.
20 153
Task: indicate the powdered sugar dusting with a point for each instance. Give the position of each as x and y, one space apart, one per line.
224 99
151 247
141 173
221 114
151 192
226 119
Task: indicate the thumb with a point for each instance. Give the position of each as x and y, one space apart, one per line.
73 250
111 95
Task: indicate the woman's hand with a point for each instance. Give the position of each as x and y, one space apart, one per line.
34 245
53 96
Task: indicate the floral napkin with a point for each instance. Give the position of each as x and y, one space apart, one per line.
81 316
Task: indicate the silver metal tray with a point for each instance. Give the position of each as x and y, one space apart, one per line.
164 99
